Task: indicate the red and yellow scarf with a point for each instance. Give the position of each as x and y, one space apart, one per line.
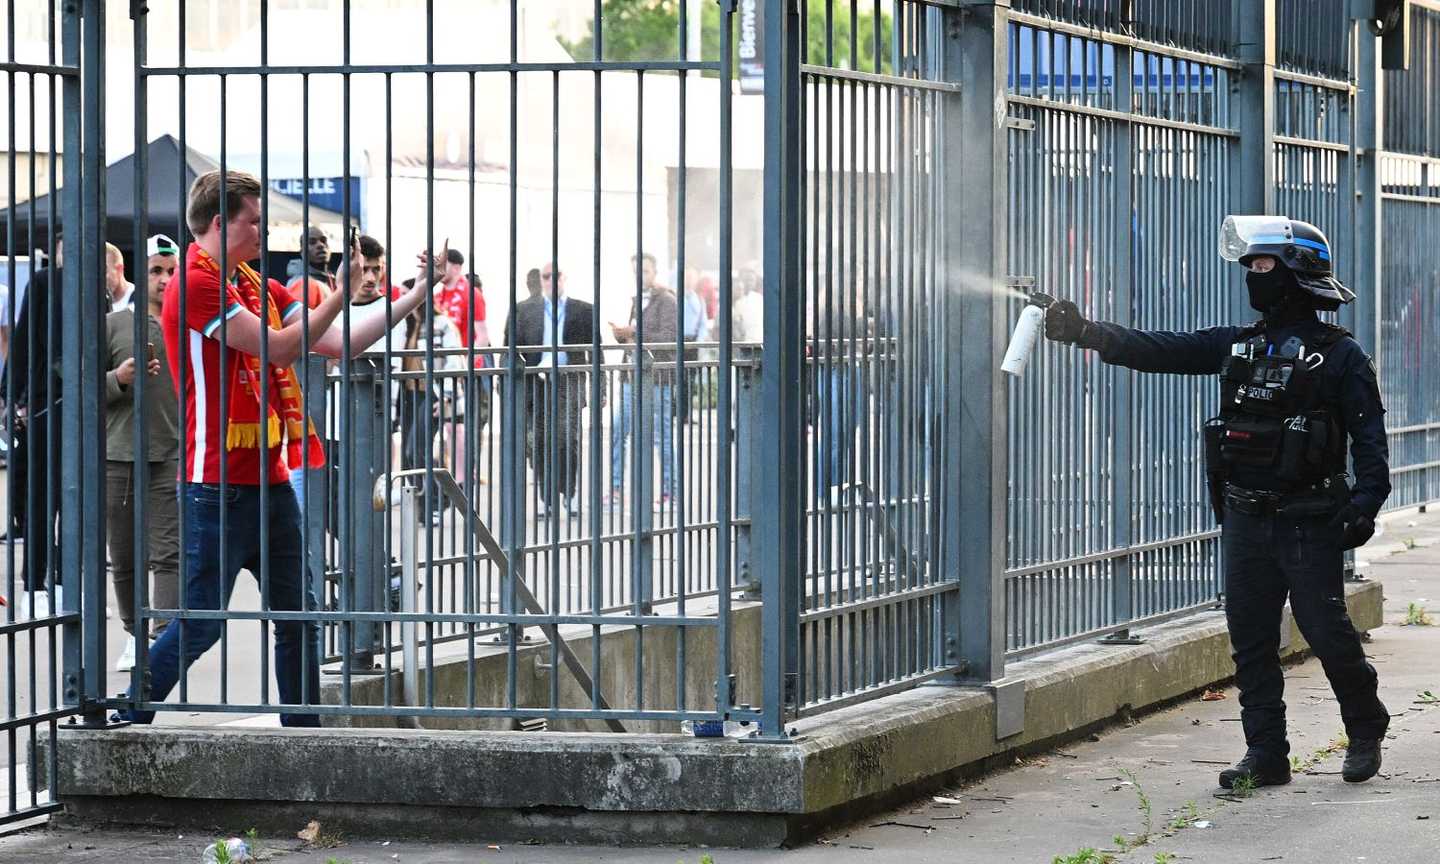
284 405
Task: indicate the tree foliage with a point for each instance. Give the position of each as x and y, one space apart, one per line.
640 30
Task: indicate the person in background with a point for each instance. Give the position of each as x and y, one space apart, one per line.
120 291
554 380
317 282
747 323
422 409
162 543
696 327
461 298
162 255
653 315
34 365
364 292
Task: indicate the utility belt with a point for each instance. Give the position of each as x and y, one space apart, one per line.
1303 454
1321 500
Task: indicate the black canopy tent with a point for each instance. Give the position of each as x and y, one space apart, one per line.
166 205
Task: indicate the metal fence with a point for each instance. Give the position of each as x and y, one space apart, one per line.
1409 185
840 447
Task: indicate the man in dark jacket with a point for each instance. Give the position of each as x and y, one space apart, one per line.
34 376
555 385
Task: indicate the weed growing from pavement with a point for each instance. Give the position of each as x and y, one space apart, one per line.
1146 809
1185 818
1425 697
1164 857
1243 786
1417 616
1084 856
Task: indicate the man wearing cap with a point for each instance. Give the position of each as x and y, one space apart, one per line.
123 367
161 255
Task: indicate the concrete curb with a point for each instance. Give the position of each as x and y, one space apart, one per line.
634 789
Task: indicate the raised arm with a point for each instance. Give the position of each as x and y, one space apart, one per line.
370 323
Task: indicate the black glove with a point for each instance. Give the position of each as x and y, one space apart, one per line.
1353 527
1064 323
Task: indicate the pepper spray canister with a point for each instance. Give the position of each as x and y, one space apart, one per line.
1027 332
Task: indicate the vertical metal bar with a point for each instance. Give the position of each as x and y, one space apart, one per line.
264 574
139 527
977 47
1368 250
725 424
82 552
780 500
1123 419
598 480
182 381
1253 174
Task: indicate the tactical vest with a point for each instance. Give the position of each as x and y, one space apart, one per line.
1272 418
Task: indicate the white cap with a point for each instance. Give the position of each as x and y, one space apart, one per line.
160 244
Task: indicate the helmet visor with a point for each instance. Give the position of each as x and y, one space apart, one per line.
1239 233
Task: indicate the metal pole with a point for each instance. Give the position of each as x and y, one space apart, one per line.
1122 607
778 514
1367 252
82 556
371 441
977 49
1253 169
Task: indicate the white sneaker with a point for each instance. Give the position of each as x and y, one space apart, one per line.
127 657
40 604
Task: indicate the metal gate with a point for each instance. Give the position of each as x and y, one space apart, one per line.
52 432
469 551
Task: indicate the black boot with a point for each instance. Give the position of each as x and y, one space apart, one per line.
1362 760
1264 769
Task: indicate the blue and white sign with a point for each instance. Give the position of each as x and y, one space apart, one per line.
325 192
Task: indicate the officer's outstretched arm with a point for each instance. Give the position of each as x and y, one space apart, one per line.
1200 352
1364 420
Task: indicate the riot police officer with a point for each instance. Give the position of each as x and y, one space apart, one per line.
1293 389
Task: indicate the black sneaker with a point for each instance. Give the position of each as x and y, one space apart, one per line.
1362 760
1264 770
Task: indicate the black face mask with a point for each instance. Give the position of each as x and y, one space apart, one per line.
1269 291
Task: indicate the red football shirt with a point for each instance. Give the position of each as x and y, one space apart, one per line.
197 345
465 305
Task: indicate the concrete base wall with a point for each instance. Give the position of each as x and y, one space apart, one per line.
618 681
638 788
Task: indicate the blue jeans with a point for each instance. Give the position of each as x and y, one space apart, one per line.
209 585
837 391
662 398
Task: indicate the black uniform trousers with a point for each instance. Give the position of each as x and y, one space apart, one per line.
1268 557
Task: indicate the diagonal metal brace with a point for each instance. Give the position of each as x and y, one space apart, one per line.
487 541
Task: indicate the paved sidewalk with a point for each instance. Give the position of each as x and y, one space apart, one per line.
1151 783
